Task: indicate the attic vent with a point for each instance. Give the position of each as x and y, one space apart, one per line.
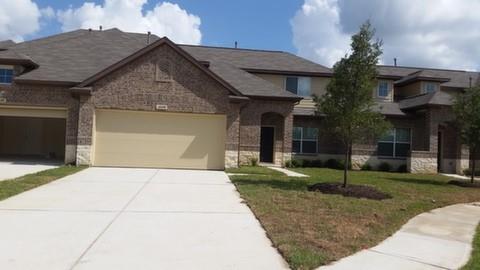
164 71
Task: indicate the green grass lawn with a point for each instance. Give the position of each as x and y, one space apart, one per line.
253 170
18 185
474 262
312 229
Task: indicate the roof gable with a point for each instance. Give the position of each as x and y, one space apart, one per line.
163 41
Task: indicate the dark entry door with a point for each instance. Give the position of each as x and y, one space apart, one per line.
266 144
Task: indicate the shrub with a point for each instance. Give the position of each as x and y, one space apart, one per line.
402 168
469 172
288 164
341 164
331 164
253 161
306 163
316 163
297 163
366 167
384 167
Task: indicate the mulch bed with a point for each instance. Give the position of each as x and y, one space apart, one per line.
465 183
356 191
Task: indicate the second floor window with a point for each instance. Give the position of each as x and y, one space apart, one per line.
429 87
305 140
300 86
383 89
6 75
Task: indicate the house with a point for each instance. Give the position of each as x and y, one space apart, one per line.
111 98
418 103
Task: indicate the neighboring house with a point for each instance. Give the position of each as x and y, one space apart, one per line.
110 98
418 103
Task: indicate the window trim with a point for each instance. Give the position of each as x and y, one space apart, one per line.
388 89
298 79
306 140
394 142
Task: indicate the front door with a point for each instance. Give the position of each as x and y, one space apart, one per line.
266 144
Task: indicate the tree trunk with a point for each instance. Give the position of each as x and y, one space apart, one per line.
472 158
346 163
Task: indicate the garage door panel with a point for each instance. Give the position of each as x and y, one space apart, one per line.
154 139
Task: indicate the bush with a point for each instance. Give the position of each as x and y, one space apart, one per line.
366 167
316 163
469 172
253 161
384 167
341 164
288 164
306 163
331 164
402 168
297 163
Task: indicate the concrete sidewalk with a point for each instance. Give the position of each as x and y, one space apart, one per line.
10 169
440 239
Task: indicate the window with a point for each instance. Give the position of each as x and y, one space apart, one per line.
299 86
429 87
163 71
383 90
305 140
6 75
395 144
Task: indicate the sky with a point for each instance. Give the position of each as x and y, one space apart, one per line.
425 33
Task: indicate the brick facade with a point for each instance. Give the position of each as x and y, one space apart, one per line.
47 96
162 76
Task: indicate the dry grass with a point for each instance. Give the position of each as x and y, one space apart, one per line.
312 229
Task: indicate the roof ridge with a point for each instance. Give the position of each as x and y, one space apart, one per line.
230 48
426 68
53 37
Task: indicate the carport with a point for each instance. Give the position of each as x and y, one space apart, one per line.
32 133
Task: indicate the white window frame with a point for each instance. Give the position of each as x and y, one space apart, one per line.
395 142
9 68
298 80
388 90
306 140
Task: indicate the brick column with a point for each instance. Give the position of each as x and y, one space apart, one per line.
85 131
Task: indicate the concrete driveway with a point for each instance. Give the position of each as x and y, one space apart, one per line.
115 218
15 168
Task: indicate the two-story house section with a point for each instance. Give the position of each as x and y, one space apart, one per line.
417 101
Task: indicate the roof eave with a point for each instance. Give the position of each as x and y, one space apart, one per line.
289 72
295 99
19 80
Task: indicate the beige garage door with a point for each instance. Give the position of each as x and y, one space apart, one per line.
159 139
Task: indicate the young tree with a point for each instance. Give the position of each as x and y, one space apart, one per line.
348 104
467 111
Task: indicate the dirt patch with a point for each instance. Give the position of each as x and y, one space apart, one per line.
465 184
356 191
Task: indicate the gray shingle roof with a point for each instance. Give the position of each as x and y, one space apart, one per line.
256 59
457 78
5 44
248 84
75 56
435 98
